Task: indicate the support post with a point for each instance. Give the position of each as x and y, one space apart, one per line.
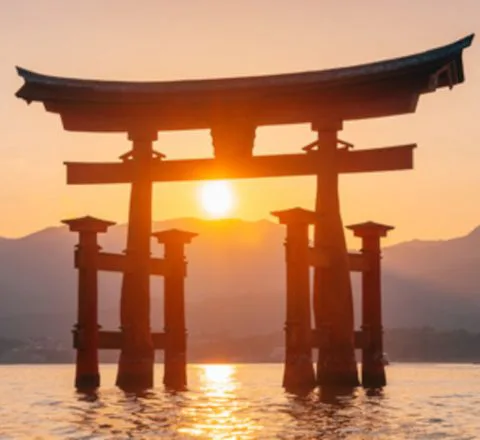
135 367
373 365
175 359
333 303
228 146
298 370
85 332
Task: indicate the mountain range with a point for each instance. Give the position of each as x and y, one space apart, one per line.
236 281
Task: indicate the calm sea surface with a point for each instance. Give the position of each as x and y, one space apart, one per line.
422 401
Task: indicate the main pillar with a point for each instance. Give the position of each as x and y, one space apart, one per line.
333 304
175 359
298 372
86 330
373 366
135 368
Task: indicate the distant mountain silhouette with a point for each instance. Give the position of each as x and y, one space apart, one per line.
437 282
236 281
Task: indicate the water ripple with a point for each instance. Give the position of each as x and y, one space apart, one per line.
241 402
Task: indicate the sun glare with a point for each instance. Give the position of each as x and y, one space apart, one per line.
216 198
218 373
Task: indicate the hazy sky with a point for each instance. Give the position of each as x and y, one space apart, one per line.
165 39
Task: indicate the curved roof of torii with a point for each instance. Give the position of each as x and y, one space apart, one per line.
369 90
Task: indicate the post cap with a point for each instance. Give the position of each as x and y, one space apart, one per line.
296 215
88 224
174 236
370 229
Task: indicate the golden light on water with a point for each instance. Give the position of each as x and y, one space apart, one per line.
219 412
216 198
218 374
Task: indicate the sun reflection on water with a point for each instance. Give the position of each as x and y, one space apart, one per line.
219 377
241 402
219 412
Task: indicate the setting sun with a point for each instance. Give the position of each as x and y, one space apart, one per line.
216 198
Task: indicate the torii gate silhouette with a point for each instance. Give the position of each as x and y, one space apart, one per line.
232 109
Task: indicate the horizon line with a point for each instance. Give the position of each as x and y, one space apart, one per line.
229 219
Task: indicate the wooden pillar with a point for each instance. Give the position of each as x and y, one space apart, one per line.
373 366
135 368
175 360
86 330
298 370
333 304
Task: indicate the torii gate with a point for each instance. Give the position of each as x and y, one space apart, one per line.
232 109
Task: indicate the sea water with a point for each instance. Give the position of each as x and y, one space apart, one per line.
244 401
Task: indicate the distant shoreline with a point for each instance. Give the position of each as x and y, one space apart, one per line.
392 363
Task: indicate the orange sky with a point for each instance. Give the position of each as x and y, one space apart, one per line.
163 40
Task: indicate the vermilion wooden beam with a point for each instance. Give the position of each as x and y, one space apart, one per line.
357 262
119 263
371 160
382 88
